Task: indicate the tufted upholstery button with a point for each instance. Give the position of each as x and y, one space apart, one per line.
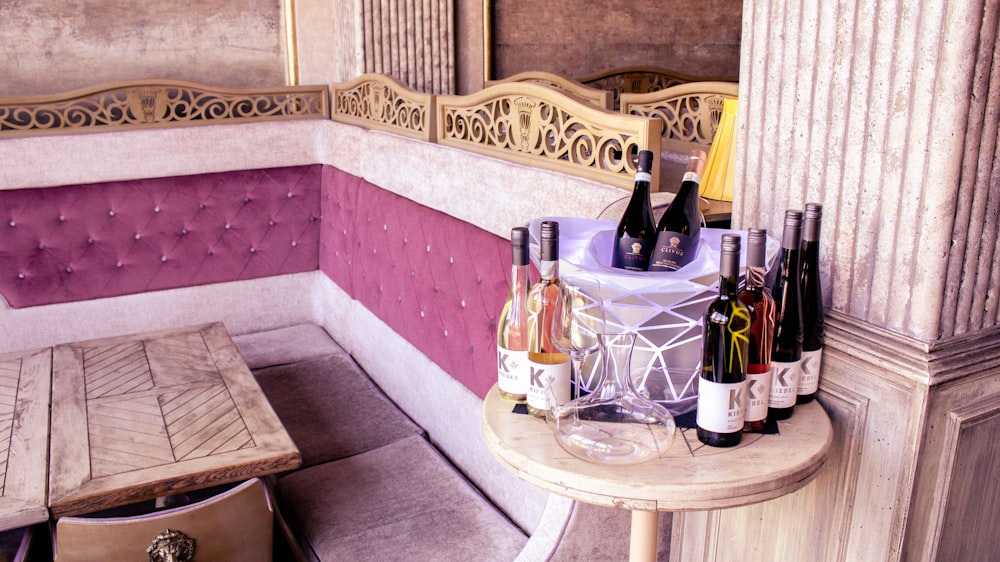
90 241
294 243
406 240
138 236
163 258
393 263
413 273
62 218
41 245
313 218
270 222
246 199
111 213
289 194
209 253
472 349
462 304
253 250
428 248
228 226
184 231
13 223
156 209
437 288
20 276
381 289
399 298
451 260
479 279
446 332
385 227
118 263
422 315
69 269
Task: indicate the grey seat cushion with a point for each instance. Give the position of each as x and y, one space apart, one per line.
285 345
400 502
331 409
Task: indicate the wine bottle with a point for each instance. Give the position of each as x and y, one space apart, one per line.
725 339
546 364
786 353
679 229
636 232
512 327
761 306
812 305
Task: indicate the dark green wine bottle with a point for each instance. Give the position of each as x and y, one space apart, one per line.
786 355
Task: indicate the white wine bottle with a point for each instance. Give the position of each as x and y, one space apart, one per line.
512 327
725 343
679 229
547 366
636 232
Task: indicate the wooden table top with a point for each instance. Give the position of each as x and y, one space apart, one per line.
24 437
137 417
690 476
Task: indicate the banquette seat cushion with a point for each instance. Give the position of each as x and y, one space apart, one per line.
327 403
403 501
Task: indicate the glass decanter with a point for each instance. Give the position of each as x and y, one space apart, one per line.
614 424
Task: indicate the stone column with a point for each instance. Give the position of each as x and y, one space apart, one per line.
886 112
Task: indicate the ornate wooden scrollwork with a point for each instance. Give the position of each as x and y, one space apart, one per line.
539 126
376 101
690 112
161 103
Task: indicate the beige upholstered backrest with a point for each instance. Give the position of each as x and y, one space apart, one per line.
598 97
534 125
690 113
234 526
382 103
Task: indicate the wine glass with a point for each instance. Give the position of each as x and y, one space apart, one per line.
577 320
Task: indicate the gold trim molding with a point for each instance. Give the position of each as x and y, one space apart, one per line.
163 103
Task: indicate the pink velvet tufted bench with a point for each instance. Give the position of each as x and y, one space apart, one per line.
436 280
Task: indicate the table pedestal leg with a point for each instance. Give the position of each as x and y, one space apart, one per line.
642 540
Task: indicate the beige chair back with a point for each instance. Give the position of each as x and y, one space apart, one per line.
235 525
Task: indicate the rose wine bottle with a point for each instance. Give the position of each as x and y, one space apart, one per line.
761 306
512 327
547 366
636 232
725 352
679 229
812 305
786 353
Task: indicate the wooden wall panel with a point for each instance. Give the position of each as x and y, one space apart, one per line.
582 37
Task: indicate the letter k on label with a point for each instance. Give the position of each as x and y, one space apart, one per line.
536 376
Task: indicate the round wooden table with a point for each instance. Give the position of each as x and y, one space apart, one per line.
690 476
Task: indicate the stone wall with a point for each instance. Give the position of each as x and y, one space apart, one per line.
51 47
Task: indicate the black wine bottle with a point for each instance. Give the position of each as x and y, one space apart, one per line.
547 366
812 305
679 229
512 326
761 306
786 354
636 232
725 339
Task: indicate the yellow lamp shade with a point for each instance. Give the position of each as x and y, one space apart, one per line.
717 181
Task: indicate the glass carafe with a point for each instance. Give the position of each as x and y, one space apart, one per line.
613 424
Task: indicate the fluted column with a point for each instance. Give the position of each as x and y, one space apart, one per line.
886 112
412 41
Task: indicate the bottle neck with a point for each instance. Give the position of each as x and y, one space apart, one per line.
520 277
548 269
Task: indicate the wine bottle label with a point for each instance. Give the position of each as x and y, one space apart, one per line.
672 251
632 254
512 370
757 395
784 383
548 369
809 379
721 406
691 176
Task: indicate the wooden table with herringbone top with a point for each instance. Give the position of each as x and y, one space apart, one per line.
149 415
